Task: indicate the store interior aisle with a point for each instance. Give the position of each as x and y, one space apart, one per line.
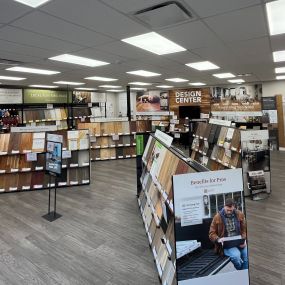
266 230
101 239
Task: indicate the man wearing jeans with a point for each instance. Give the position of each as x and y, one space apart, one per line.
228 232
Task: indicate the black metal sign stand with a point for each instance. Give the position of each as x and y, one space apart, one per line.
52 216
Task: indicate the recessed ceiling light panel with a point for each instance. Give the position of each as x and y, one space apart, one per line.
33 3
197 84
68 83
140 83
236 81
165 86
110 86
144 73
155 43
275 14
32 70
100 78
43 86
203 65
69 58
280 70
279 56
280 77
224 75
85 89
12 78
177 80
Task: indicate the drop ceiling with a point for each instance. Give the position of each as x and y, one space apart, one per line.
233 34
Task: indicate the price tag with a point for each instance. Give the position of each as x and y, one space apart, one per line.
39 168
25 169
85 164
3 152
128 156
2 190
49 106
66 154
31 156
74 165
13 170
26 151
2 171
15 151
62 183
38 186
115 137
85 181
120 156
64 166
13 188
73 182
26 187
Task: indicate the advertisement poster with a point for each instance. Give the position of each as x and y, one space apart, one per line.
81 97
11 96
38 96
54 157
152 101
210 228
256 163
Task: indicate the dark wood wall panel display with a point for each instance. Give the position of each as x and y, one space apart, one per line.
216 147
190 97
159 165
20 171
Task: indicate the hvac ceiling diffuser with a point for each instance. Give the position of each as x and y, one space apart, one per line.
165 14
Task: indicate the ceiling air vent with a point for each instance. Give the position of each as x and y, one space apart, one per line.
4 61
165 14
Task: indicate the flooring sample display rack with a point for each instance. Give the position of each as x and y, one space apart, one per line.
216 146
113 138
22 160
155 199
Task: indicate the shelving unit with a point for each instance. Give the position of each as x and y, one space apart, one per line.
15 160
216 147
159 164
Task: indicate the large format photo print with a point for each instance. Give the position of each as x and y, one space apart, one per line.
210 228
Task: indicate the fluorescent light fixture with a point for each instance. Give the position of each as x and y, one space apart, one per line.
165 86
275 14
197 84
280 77
110 86
143 73
33 3
43 86
155 43
85 89
99 78
279 55
236 81
12 78
68 83
177 80
32 70
140 83
280 70
224 75
203 65
115 90
69 58
138 88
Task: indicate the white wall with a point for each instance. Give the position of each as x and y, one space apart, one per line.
111 105
273 88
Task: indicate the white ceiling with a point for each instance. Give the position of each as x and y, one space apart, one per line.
231 33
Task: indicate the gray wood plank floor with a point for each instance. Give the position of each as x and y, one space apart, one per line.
101 239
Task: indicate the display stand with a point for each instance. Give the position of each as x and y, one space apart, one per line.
160 204
52 216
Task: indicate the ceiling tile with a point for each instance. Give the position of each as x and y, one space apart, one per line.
239 25
204 9
29 38
184 57
127 6
18 57
278 42
191 35
96 16
11 10
42 23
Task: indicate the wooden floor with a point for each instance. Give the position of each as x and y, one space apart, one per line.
101 239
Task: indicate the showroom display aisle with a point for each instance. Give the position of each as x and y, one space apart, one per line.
100 238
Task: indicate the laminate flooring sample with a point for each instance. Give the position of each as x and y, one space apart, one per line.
236 140
120 152
26 142
212 133
4 142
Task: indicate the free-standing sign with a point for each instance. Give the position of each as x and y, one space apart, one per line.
198 197
11 96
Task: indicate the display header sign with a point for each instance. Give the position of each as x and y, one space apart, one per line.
11 96
188 96
38 96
